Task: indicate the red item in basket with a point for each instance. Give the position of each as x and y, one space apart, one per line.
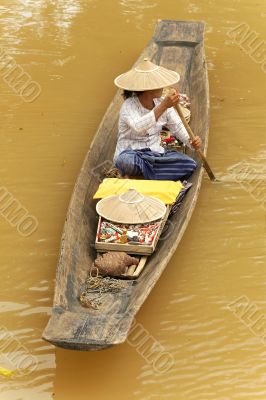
169 139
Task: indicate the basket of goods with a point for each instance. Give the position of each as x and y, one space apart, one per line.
170 142
130 222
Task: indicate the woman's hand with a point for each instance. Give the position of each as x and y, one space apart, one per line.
171 99
196 143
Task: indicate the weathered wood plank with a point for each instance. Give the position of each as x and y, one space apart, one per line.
140 266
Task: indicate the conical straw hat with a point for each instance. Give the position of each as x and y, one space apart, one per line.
131 207
147 76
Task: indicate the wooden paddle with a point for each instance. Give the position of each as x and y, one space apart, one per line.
192 137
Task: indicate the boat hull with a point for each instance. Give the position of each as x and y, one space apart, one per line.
177 45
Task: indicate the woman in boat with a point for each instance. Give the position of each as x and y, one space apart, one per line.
142 116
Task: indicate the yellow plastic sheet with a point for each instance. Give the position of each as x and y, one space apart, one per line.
5 372
166 191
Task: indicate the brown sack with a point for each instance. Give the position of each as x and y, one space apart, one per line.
114 263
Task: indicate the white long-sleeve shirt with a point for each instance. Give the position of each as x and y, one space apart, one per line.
138 128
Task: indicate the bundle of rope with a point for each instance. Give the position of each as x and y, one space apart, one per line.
96 285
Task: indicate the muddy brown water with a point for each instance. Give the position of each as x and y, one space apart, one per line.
207 312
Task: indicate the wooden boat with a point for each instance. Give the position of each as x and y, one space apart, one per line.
177 45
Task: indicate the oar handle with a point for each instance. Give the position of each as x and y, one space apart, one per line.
192 137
